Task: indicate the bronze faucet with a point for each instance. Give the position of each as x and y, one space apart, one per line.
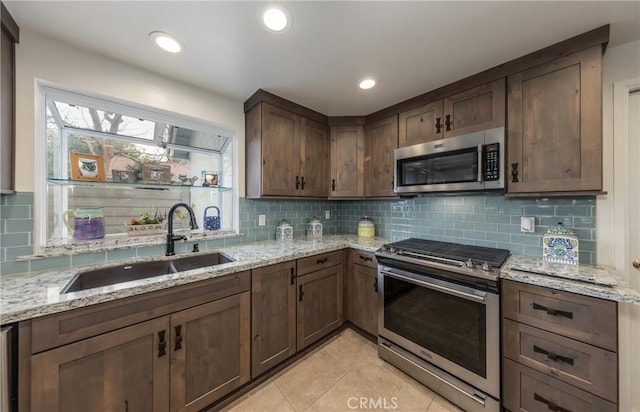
170 236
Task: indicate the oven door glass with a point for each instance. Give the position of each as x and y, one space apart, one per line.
449 326
458 166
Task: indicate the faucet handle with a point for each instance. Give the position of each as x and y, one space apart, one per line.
196 248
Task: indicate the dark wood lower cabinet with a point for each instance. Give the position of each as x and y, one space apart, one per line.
179 362
528 390
126 370
209 352
363 301
273 316
320 299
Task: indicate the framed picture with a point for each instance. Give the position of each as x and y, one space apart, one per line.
123 176
210 179
86 166
153 173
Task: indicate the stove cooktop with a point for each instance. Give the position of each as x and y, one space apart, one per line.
454 251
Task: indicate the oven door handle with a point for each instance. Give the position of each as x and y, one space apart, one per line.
433 286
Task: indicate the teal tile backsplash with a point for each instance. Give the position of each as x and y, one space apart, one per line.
484 220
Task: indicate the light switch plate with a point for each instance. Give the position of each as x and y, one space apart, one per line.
262 220
527 224
327 214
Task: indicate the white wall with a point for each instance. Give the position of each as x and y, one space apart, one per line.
620 63
43 58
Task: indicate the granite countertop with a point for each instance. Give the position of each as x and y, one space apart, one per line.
29 296
582 279
25 297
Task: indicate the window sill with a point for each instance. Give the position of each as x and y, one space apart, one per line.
70 247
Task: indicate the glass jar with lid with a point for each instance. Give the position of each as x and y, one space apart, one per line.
366 227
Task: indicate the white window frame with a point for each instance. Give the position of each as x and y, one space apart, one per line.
45 90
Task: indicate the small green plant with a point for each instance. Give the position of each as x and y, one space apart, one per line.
146 219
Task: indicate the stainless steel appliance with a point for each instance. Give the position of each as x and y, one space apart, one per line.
439 317
6 369
471 162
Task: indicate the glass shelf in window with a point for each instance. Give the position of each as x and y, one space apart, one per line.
136 185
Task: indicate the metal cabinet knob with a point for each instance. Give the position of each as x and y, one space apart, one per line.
636 264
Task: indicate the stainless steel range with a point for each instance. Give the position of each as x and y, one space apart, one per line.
439 317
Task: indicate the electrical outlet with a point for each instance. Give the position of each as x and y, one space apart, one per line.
527 224
327 214
262 220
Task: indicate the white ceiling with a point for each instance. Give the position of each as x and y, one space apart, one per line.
409 47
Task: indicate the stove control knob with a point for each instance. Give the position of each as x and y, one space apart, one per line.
384 248
486 267
392 250
470 264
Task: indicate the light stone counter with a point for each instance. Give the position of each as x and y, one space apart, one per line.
30 296
582 279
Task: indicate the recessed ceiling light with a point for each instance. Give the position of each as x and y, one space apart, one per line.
367 84
276 18
166 41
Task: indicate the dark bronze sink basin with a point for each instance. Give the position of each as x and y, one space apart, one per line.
95 278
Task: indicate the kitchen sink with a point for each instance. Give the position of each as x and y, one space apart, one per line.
95 278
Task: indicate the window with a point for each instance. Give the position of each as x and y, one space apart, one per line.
114 162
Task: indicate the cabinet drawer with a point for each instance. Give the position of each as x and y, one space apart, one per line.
525 389
361 257
587 367
317 262
70 326
583 318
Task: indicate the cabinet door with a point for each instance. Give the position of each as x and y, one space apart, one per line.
476 109
319 304
555 126
209 351
420 125
314 162
347 161
280 151
126 370
363 302
273 316
382 139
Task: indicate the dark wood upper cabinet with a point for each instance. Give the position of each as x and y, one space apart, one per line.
476 109
10 35
381 140
347 161
273 316
287 154
555 126
473 110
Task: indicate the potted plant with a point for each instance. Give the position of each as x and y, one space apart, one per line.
146 225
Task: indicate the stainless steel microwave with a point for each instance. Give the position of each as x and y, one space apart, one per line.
471 162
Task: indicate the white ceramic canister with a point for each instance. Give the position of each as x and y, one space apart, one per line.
366 227
314 229
560 245
284 231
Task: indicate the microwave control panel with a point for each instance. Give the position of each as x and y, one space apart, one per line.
491 161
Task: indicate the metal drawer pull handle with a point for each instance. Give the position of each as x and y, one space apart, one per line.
553 356
301 293
162 344
366 258
293 277
321 261
375 285
553 312
552 406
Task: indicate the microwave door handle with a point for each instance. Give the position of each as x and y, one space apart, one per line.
479 163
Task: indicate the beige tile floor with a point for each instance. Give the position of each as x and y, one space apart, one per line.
344 374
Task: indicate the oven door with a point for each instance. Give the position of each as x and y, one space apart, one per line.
451 326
